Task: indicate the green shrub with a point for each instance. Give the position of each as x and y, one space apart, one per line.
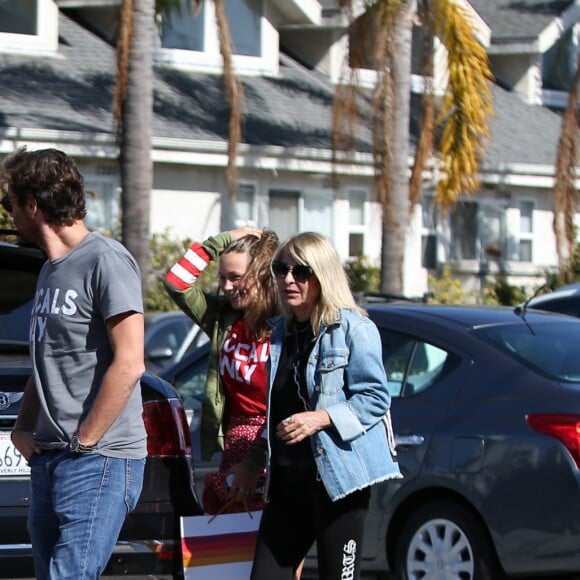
500 292
445 289
363 276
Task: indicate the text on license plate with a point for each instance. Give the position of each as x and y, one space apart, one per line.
11 461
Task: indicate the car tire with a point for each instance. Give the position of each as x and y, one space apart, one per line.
444 540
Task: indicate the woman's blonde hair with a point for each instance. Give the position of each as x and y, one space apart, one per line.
260 253
317 251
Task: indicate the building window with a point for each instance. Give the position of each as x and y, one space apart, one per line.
428 233
19 17
246 212
559 63
29 25
478 231
190 38
363 38
185 29
526 231
357 222
102 204
284 211
291 212
245 26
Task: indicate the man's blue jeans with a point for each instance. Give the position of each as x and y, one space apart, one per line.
78 506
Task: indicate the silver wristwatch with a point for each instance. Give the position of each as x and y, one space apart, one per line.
77 447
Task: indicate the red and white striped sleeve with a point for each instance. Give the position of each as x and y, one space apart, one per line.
184 274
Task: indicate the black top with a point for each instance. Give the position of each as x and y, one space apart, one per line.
291 465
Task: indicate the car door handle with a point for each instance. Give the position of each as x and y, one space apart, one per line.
408 440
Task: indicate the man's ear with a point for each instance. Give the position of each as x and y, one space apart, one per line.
30 206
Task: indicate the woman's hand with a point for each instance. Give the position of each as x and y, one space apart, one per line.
245 231
297 427
244 482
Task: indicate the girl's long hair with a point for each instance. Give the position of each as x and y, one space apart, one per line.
317 251
259 277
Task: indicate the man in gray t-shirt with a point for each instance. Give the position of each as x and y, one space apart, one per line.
80 424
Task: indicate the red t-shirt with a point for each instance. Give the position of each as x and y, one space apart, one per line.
242 367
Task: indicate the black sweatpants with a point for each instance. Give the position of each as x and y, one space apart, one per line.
292 522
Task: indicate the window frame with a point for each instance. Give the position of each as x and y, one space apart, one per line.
253 221
363 228
526 236
429 230
209 59
301 195
111 205
46 38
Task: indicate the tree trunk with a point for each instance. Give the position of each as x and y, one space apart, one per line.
396 209
135 147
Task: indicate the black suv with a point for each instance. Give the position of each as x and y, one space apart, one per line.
150 540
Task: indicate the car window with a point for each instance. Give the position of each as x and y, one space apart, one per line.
168 334
549 348
570 306
16 297
14 324
426 365
411 365
190 384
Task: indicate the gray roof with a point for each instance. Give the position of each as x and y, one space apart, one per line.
74 90
518 20
521 133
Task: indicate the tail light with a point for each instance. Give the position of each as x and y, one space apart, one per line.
564 427
167 428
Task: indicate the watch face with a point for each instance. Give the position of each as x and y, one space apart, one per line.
74 443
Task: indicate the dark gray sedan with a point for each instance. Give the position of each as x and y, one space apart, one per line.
486 409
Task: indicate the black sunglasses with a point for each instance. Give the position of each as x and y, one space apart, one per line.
300 272
6 203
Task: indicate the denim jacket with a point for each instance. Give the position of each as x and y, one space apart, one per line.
346 377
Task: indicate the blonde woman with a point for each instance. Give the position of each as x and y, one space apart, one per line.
329 434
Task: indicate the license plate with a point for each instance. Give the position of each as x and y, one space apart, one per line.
11 461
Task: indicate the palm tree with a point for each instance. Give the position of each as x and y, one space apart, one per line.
565 193
463 115
133 107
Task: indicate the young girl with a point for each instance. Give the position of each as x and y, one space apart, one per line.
235 319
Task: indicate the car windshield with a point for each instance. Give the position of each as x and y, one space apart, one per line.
549 348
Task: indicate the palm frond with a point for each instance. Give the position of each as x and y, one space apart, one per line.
424 147
234 95
467 104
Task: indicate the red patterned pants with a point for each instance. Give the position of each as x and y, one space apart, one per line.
240 436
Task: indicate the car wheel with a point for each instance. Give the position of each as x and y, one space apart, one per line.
442 540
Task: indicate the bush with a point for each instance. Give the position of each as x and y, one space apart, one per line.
363 276
500 292
445 289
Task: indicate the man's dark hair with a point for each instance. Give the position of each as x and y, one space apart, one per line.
52 178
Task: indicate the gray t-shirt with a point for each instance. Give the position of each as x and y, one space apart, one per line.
70 348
